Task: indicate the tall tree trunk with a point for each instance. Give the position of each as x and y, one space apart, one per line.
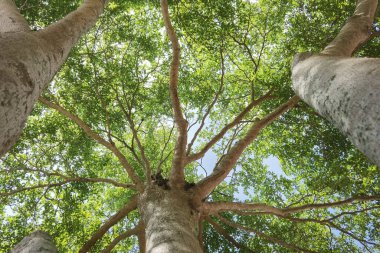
171 223
29 60
38 241
343 89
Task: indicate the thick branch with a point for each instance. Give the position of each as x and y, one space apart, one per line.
93 135
38 56
177 177
129 207
205 186
264 236
64 34
142 241
123 236
10 18
228 237
355 31
215 207
224 130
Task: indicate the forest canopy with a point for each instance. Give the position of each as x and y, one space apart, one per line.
111 103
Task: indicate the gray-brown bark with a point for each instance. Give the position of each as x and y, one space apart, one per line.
37 242
171 223
345 90
29 60
177 178
10 18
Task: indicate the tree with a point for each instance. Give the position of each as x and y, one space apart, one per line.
345 89
38 241
30 59
165 144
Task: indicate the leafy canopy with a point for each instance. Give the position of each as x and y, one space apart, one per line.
232 52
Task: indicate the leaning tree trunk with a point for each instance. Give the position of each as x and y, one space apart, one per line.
171 223
38 241
343 89
29 60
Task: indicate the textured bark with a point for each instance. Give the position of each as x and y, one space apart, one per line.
171 223
10 18
38 241
355 32
342 89
346 91
29 60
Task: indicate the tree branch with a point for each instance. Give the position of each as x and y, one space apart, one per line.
224 130
77 179
355 31
177 177
93 135
221 86
162 158
6 194
263 236
206 185
129 207
64 34
128 116
216 207
332 225
226 236
142 241
123 236
10 18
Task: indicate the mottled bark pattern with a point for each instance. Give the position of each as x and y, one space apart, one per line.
346 91
171 224
10 18
23 73
29 60
37 242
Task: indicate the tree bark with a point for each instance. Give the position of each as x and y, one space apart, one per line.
171 223
29 60
345 91
37 242
342 89
10 18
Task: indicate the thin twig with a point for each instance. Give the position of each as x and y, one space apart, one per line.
221 86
